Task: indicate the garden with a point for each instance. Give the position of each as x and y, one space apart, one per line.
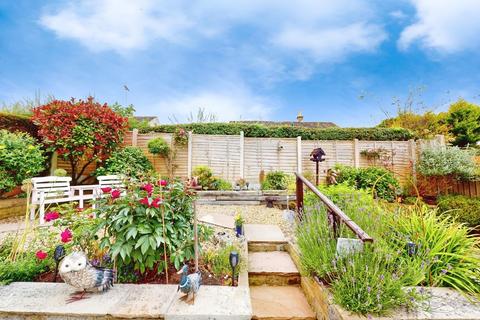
425 235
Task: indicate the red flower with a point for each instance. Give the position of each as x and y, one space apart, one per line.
162 182
106 189
145 202
90 216
52 215
41 255
116 194
149 188
156 202
66 236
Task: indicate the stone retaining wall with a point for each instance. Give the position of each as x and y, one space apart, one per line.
12 207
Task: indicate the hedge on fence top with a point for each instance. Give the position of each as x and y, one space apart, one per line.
261 131
13 122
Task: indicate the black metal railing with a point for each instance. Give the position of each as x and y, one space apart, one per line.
335 215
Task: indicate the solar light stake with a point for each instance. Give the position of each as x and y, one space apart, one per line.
234 259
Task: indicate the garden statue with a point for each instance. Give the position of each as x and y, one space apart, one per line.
189 283
77 272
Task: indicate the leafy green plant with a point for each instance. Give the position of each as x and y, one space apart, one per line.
159 146
21 157
380 180
219 263
60 173
129 161
464 122
275 180
26 268
444 161
208 181
462 209
450 256
148 224
220 184
262 131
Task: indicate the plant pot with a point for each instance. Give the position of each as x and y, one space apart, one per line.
239 230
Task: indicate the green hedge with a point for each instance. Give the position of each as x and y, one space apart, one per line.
262 131
463 209
13 122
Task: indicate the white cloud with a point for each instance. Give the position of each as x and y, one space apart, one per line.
117 25
398 14
332 44
226 103
444 25
303 25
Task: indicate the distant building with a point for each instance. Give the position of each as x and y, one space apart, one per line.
151 121
298 123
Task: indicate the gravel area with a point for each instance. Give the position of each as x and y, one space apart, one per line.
252 214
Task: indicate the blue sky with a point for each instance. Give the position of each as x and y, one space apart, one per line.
342 61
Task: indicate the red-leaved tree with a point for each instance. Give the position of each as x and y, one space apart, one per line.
80 131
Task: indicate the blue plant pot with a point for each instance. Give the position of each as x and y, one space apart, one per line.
239 230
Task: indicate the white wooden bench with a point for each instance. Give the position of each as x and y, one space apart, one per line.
52 189
113 181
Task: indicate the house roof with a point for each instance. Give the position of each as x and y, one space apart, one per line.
304 124
146 118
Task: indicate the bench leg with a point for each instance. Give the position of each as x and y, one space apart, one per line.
42 213
32 212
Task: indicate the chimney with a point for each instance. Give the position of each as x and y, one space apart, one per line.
299 117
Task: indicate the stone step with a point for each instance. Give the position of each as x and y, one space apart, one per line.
280 303
264 237
272 268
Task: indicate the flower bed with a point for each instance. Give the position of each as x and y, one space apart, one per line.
145 232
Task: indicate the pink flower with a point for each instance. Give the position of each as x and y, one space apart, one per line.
41 255
52 215
66 236
116 194
145 202
163 183
149 188
106 189
156 202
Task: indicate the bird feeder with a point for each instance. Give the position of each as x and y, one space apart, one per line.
317 156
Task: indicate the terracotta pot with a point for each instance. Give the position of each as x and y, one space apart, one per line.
13 193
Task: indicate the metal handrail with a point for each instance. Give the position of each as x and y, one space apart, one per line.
336 215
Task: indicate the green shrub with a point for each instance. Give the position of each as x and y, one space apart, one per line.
445 251
140 226
219 263
262 131
463 209
381 180
275 180
221 184
60 173
20 158
208 181
129 161
159 146
26 268
443 161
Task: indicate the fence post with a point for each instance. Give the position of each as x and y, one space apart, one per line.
413 158
356 154
134 137
189 155
242 155
299 155
299 197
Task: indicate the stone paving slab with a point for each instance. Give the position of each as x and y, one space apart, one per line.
264 233
280 303
276 262
34 300
217 219
214 302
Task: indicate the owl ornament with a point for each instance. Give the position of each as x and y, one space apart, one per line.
77 272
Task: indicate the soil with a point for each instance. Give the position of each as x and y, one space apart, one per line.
152 277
